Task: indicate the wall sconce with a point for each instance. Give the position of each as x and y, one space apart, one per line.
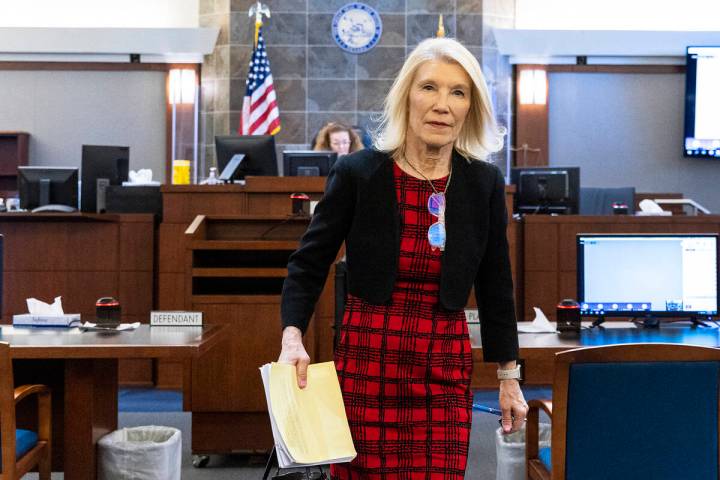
183 99
532 87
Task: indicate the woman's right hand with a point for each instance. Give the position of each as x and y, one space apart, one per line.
293 352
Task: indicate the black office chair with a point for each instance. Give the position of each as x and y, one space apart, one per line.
599 201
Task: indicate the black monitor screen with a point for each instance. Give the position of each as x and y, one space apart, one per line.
307 163
101 166
546 189
259 151
636 274
702 77
39 186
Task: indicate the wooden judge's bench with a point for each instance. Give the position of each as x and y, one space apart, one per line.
223 250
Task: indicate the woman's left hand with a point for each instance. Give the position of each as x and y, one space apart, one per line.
513 406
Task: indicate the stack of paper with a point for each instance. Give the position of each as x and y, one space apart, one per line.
309 425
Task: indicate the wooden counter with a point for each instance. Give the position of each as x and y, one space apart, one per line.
81 257
549 250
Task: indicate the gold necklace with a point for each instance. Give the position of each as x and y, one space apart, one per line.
430 181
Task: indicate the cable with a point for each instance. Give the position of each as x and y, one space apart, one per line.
293 216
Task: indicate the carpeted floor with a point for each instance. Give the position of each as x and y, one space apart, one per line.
150 407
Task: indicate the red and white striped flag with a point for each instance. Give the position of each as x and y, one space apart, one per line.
260 114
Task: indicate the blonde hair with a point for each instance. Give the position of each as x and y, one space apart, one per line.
322 141
480 135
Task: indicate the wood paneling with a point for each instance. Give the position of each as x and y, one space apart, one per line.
536 238
253 339
649 69
230 432
96 66
248 302
531 127
541 290
90 388
182 203
136 293
79 290
172 247
172 291
137 247
81 258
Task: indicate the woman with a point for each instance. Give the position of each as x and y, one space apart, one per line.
339 138
423 219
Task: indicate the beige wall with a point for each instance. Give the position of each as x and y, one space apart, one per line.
99 13
617 14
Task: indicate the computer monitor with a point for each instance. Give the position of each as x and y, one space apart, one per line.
646 275
101 166
702 132
307 163
42 186
259 156
546 189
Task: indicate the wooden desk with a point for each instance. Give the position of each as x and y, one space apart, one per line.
537 350
82 370
549 248
81 257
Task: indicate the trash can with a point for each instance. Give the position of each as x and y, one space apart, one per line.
140 453
510 451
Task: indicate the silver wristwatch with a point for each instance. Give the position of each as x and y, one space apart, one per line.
509 374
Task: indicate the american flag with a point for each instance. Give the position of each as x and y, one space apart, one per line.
260 114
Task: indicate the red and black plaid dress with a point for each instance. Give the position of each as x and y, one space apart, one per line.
405 368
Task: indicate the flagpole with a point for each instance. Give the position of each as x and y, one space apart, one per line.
260 113
257 11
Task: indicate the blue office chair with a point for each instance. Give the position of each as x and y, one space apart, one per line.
640 411
598 201
22 450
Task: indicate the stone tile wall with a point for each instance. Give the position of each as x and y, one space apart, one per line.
315 80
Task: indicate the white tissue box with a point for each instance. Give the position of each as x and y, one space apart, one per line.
30 320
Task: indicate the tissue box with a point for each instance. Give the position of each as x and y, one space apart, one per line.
30 320
140 199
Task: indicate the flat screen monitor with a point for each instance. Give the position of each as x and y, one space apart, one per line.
702 102
41 186
307 163
632 275
259 156
101 166
546 189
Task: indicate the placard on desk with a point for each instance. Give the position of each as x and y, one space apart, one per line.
176 319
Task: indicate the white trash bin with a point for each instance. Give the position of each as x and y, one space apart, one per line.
510 451
140 453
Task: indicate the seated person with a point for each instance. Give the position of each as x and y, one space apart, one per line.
338 138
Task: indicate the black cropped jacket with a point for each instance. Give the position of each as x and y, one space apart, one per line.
360 208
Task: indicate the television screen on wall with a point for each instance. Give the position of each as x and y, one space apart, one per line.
702 102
